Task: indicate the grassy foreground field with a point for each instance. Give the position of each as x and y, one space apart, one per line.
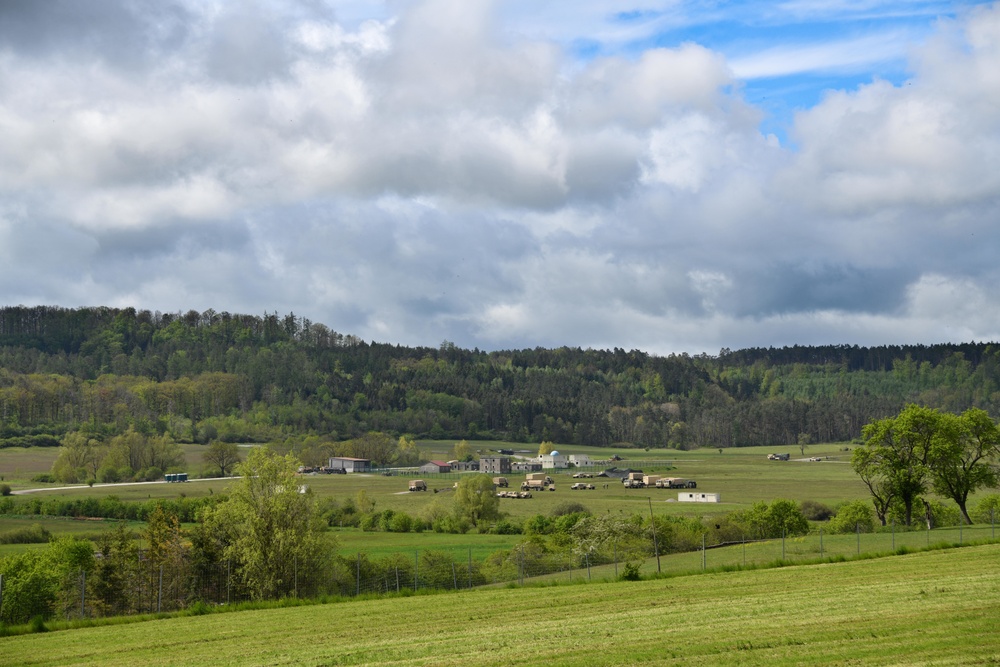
933 608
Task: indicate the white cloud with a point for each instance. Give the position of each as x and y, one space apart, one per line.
435 175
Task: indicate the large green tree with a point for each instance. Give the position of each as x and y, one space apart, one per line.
476 499
896 454
223 455
961 456
273 531
922 449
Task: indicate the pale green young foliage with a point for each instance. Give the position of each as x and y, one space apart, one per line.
476 499
272 527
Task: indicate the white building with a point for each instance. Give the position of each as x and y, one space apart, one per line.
553 460
692 497
350 464
580 460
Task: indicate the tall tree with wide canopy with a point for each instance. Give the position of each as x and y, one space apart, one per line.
960 457
896 453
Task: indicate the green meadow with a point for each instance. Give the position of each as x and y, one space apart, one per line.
932 608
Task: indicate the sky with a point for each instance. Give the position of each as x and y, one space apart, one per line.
665 175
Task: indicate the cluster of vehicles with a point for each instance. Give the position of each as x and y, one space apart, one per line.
321 470
537 481
638 480
514 494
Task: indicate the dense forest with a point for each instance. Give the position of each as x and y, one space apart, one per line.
245 378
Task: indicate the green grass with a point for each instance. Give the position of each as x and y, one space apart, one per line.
377 545
937 607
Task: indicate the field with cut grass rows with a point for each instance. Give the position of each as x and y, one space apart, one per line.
934 608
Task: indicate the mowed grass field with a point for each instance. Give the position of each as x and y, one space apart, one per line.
933 608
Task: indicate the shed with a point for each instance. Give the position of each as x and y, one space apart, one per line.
435 467
692 497
349 464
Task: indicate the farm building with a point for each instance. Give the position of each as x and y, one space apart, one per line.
691 497
348 464
435 467
580 460
494 465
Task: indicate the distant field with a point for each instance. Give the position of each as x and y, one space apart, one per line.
742 476
932 608
19 464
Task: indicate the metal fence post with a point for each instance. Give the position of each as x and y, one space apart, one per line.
454 576
295 573
359 573
588 566
656 546
159 592
470 567
820 542
83 593
893 534
857 529
229 572
704 556
616 560
416 565
782 544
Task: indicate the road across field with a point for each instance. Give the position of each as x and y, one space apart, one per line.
99 486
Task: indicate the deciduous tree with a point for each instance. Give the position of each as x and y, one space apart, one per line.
476 499
960 456
273 531
222 455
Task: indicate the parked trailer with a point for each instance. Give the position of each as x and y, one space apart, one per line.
676 483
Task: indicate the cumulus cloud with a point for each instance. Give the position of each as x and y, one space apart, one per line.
428 174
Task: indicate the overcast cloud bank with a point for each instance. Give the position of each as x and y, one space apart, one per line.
432 175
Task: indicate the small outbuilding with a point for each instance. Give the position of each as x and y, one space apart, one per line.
349 464
432 467
691 497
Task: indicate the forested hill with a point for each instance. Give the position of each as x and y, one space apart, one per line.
206 376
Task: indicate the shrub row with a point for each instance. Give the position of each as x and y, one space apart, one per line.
108 507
